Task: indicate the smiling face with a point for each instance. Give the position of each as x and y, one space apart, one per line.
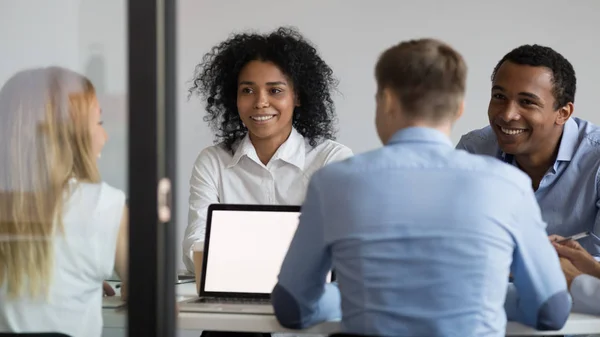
265 101
522 109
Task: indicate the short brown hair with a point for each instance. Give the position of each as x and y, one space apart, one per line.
427 75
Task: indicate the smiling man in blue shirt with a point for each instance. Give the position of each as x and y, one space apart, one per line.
532 128
422 236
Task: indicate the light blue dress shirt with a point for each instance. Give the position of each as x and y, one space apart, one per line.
569 193
422 238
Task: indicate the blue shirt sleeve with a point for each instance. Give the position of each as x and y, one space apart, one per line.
462 144
594 245
585 290
480 142
538 296
302 297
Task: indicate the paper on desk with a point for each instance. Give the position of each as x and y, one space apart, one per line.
112 302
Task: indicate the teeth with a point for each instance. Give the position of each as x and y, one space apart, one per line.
512 131
261 118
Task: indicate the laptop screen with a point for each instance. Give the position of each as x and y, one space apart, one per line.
246 248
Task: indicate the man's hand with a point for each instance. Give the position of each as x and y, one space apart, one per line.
578 256
107 289
570 271
555 237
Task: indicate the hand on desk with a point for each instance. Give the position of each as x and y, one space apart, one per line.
107 289
578 257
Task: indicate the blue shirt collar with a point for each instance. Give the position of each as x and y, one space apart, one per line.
569 141
420 135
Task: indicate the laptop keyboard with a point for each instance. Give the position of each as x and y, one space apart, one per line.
235 300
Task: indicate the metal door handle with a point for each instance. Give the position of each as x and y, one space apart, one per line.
164 200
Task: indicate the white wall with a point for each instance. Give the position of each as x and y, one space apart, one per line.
350 34
90 36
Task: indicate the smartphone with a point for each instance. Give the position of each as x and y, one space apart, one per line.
574 237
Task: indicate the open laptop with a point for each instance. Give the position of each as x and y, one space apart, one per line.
244 248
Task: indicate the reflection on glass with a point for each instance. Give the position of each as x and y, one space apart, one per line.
62 230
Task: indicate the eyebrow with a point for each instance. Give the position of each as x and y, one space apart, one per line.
268 83
523 93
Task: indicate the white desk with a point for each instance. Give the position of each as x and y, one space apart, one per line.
192 324
578 324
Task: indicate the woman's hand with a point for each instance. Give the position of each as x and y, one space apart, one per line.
107 289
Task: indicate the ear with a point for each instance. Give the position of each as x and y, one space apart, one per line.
564 113
388 102
461 110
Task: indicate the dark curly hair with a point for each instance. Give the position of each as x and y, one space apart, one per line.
563 74
216 80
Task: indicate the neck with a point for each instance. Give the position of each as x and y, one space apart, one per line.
537 164
443 127
266 147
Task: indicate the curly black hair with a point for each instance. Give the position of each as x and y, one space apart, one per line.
563 74
216 80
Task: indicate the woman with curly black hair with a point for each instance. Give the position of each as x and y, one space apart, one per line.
268 99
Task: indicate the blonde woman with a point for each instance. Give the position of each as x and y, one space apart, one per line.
62 231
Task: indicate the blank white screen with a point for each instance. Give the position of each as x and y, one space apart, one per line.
246 250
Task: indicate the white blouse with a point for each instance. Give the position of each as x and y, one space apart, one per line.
219 176
83 257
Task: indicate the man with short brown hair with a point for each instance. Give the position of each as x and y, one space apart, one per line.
421 236
427 76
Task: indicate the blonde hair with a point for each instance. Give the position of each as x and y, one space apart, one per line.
45 140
